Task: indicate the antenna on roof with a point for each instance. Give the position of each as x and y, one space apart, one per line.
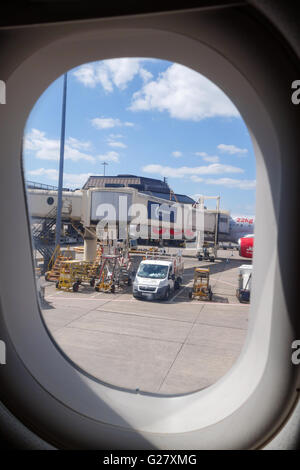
104 165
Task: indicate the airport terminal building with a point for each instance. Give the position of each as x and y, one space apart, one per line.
149 186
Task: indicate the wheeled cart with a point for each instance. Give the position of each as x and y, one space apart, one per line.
244 283
201 289
73 273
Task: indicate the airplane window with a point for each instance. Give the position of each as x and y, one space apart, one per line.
164 139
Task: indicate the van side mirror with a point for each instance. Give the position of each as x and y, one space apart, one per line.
173 277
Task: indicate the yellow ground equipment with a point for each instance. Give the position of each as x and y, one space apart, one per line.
95 266
106 282
114 273
54 265
201 289
72 274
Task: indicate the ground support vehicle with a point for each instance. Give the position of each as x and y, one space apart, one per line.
72 274
114 272
244 283
201 289
207 254
54 266
94 268
158 276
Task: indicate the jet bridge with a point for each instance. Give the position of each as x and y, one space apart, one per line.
128 211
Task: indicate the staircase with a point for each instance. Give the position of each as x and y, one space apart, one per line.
54 273
96 263
41 235
78 228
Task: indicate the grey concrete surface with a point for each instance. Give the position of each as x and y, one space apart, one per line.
172 347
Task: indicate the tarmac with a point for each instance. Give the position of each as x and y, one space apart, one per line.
163 347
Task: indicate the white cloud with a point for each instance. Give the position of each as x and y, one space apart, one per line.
177 154
184 94
145 74
211 159
50 173
233 183
70 180
49 149
112 142
111 156
122 70
86 74
213 169
112 73
108 123
227 182
231 149
117 144
78 143
197 179
208 158
115 136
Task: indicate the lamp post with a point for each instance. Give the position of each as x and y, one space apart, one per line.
61 164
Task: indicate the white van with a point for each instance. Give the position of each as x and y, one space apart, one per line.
158 278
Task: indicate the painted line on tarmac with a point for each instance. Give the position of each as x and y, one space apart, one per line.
179 292
90 298
96 295
191 302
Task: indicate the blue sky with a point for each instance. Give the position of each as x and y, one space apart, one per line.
146 117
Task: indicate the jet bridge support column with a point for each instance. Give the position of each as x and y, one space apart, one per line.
90 245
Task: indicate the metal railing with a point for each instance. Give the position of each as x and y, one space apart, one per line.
48 187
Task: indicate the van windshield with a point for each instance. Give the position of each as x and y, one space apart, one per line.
153 271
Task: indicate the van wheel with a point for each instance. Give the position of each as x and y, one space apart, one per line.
168 293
